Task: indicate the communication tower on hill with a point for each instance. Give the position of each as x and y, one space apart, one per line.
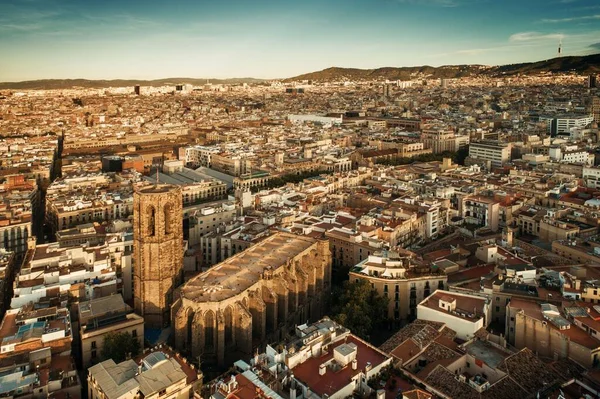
559 48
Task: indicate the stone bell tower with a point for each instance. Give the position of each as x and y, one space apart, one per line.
158 251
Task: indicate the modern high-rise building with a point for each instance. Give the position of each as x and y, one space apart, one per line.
158 251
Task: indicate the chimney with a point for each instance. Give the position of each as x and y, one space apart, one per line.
322 369
354 364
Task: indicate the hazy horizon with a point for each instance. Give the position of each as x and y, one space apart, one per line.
148 40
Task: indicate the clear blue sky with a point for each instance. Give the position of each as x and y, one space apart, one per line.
149 39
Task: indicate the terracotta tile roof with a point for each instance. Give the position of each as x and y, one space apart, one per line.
407 332
445 381
333 381
528 371
417 394
506 388
470 274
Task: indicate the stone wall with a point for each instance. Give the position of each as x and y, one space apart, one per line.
158 252
221 331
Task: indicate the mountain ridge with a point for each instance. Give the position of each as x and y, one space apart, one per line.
589 64
47 84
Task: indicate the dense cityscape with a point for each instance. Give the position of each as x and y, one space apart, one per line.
299 239
317 199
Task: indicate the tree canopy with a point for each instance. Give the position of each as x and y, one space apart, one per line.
419 158
118 346
360 308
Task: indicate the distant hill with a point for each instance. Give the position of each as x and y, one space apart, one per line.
580 64
48 84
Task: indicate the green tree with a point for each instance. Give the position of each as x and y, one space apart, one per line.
460 155
118 346
360 308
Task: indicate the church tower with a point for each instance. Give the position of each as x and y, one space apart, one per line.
158 251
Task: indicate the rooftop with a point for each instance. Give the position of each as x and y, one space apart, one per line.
156 371
333 381
467 307
241 271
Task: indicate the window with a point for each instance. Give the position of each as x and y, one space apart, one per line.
134 333
94 354
162 392
497 308
94 345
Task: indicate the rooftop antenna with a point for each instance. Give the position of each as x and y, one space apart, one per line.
559 47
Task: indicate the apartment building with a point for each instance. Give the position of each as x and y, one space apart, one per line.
332 163
232 238
209 218
20 213
53 275
563 123
480 211
231 164
570 333
323 360
101 316
197 156
443 140
552 229
349 248
35 354
88 198
591 176
404 281
495 153
158 373
465 313
570 154
578 250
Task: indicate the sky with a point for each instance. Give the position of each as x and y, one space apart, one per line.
149 39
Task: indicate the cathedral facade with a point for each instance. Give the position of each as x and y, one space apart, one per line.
252 298
158 251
